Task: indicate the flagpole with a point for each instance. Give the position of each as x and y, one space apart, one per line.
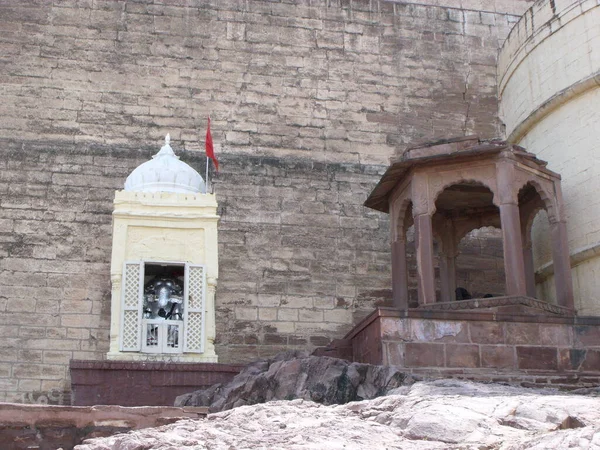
206 179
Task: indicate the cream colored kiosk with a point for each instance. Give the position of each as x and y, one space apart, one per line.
164 265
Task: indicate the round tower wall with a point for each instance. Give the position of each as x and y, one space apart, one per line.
549 89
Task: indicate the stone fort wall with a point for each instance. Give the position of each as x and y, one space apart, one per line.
308 101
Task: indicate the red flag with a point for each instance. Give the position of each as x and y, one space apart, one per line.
210 151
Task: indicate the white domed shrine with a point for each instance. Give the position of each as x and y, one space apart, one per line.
164 264
165 173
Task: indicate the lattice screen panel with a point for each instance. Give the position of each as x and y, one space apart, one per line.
131 335
131 285
131 304
194 316
194 335
196 287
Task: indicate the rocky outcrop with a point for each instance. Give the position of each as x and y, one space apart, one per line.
296 375
443 414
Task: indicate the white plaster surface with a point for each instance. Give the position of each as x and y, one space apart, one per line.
536 64
548 76
568 139
164 226
392 328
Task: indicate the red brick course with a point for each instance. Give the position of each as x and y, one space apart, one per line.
129 383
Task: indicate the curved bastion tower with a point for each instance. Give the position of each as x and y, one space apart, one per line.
549 93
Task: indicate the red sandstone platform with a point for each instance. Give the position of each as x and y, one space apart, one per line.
133 383
486 345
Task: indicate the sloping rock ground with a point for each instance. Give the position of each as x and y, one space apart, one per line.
442 414
296 375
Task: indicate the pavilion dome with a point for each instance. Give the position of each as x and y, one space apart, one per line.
165 173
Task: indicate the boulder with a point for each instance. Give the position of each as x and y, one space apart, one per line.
297 375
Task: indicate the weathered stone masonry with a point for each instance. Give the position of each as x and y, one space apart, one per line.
307 101
297 260
335 81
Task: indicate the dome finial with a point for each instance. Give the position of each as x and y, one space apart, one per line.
166 149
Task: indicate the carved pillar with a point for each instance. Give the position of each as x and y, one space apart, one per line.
512 241
115 319
528 211
210 316
448 256
514 265
448 277
424 250
398 228
562 265
399 274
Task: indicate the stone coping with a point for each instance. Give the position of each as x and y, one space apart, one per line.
471 315
440 152
155 366
495 302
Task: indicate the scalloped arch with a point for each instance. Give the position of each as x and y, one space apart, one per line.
547 199
462 232
471 181
548 206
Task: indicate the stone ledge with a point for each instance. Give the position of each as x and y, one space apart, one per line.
45 426
538 306
155 365
534 379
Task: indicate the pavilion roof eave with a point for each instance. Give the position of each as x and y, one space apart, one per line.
425 154
378 198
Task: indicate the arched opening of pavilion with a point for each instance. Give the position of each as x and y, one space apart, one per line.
538 213
461 208
480 264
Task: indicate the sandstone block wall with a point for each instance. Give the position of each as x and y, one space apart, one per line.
308 101
333 81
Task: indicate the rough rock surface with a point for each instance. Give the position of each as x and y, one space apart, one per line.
296 375
443 414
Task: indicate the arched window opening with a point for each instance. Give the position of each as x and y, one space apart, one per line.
541 247
470 262
537 244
